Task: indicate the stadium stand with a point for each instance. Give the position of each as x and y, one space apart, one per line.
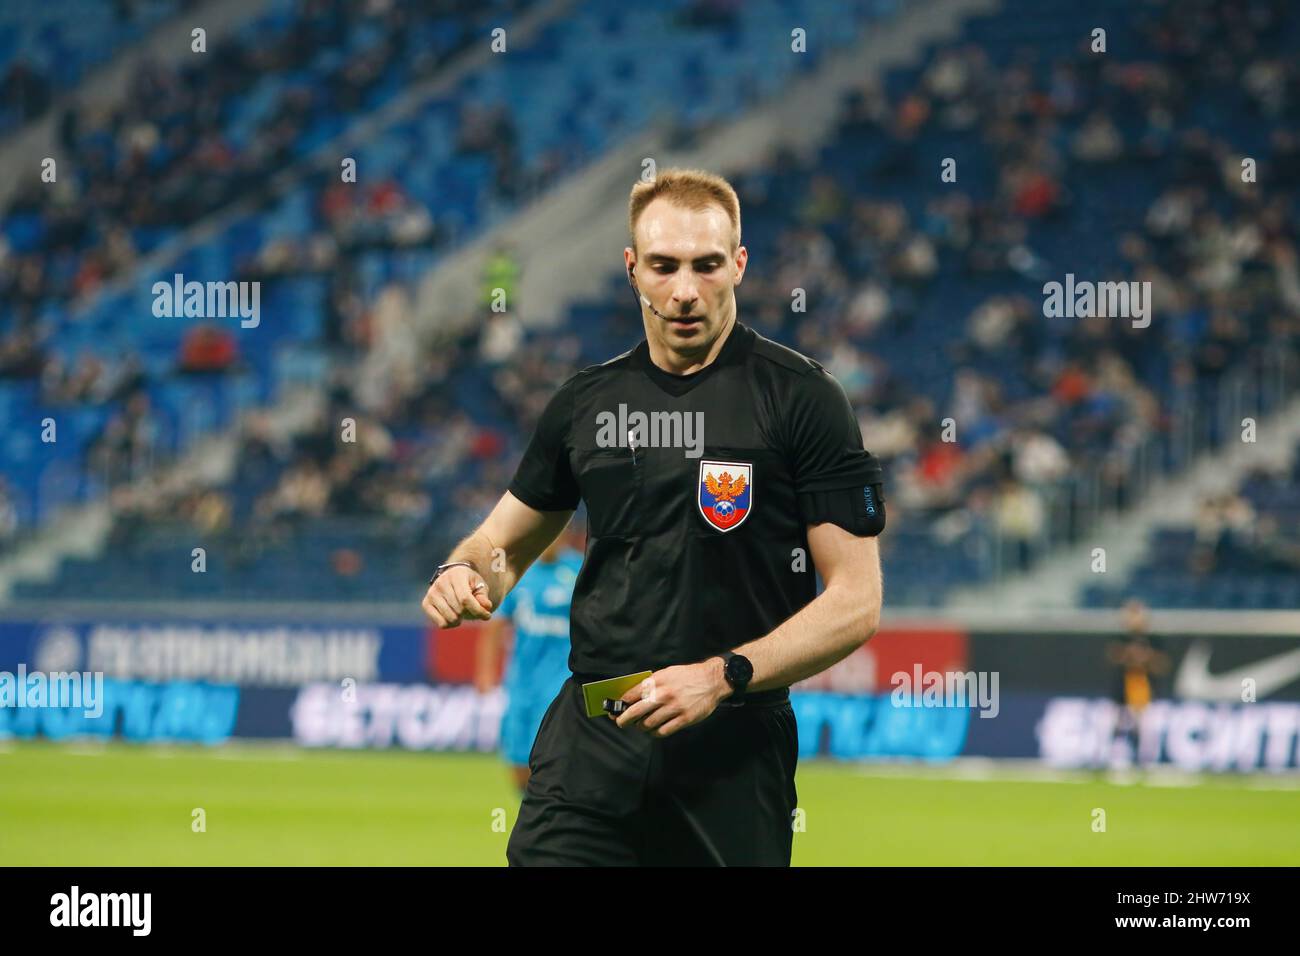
920 297
1241 552
50 46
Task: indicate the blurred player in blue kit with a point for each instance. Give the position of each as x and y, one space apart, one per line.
539 661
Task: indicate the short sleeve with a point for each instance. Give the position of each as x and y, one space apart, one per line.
835 478
544 480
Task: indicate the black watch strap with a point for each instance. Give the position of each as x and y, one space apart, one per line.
739 682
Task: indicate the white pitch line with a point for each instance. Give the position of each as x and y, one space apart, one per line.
973 769
1174 782
81 750
277 755
986 770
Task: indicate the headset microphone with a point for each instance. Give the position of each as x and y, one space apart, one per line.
641 297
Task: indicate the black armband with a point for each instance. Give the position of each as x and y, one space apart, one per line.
859 510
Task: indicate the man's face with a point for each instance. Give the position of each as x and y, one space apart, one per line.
687 269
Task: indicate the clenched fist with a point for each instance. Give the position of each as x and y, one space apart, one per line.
455 595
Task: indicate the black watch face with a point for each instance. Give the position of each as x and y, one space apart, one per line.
739 671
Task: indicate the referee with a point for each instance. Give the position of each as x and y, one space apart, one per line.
722 473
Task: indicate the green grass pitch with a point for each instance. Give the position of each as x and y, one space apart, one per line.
132 805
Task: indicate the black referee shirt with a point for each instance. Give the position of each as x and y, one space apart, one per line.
696 550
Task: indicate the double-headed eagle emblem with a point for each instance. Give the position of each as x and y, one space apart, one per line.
724 487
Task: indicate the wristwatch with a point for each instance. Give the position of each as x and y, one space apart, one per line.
454 564
738 672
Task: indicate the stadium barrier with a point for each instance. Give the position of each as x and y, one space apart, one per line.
1224 695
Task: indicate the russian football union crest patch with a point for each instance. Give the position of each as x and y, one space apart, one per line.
726 493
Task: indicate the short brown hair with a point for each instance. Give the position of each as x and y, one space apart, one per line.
693 188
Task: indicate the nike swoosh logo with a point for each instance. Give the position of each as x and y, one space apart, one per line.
1195 682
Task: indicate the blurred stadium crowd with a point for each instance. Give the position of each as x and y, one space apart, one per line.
924 300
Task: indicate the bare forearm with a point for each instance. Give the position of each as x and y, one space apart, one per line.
506 544
489 561
824 632
828 629
499 551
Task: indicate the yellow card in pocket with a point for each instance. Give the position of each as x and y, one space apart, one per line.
597 692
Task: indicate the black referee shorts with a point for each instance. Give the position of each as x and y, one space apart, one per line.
720 793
